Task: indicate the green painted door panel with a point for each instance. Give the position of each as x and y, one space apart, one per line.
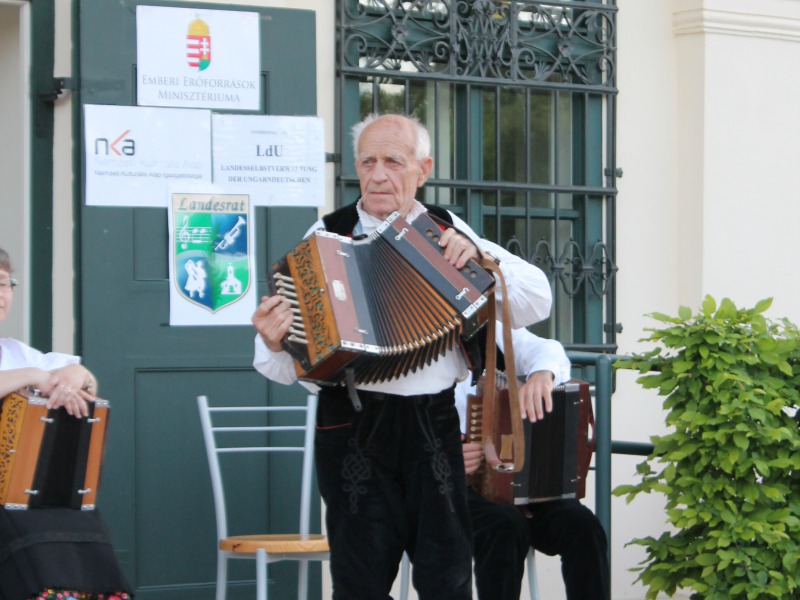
156 491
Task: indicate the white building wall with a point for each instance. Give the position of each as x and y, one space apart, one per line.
648 219
63 218
751 137
709 142
14 152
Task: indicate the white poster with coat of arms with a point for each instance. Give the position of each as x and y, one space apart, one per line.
211 267
198 58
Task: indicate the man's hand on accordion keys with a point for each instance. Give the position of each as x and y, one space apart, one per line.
536 396
458 248
272 319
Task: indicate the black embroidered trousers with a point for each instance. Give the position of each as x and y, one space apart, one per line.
392 478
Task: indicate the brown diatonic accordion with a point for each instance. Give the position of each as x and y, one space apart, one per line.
383 305
558 448
48 458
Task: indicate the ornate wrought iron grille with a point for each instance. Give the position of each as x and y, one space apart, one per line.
514 41
519 97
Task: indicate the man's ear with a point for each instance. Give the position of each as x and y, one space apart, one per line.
425 168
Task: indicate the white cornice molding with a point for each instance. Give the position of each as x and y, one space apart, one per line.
693 20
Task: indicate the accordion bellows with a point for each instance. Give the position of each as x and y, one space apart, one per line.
384 305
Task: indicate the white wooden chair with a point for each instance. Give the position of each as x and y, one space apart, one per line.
405 576
533 586
530 560
264 548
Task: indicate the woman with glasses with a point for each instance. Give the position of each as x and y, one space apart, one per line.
59 377
49 553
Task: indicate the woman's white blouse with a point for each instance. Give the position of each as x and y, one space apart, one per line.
17 355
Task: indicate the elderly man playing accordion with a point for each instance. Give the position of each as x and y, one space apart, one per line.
392 474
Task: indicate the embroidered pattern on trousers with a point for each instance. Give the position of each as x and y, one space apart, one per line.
441 470
440 466
356 468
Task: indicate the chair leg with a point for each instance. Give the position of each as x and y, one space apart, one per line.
261 574
302 580
222 575
532 583
404 576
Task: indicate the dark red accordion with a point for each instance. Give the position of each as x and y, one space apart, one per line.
558 448
384 305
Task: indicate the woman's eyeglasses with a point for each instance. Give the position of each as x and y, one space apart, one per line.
7 285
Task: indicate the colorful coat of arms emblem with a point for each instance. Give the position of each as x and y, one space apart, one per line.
212 250
198 45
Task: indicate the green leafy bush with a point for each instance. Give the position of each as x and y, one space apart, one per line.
730 466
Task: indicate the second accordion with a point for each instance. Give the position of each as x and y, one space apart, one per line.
558 448
49 458
381 306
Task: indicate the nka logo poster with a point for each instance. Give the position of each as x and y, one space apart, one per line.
212 263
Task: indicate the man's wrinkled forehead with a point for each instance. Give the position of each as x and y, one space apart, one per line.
388 138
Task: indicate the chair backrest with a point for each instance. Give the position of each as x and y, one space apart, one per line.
223 439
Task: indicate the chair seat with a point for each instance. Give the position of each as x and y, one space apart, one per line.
275 543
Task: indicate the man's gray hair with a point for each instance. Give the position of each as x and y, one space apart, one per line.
422 145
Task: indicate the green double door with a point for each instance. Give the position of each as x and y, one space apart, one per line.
155 492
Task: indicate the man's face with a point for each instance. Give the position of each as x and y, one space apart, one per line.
387 169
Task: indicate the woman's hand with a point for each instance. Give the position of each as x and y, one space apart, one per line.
13 380
65 387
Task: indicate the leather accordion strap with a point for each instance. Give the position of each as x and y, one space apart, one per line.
490 407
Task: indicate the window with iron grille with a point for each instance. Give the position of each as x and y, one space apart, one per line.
519 98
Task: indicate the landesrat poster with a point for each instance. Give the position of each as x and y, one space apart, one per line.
211 259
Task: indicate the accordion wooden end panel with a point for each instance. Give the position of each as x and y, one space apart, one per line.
47 457
558 448
313 339
384 305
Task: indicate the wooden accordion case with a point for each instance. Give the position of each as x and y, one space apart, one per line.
49 458
558 448
383 305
